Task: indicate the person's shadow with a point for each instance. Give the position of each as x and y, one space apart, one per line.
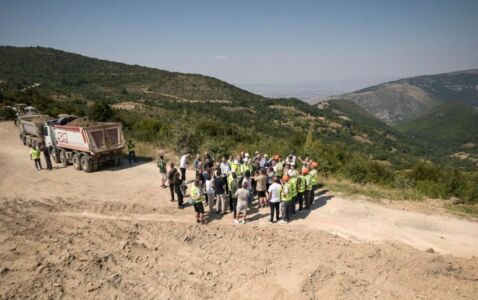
320 200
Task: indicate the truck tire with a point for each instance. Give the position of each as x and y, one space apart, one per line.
55 154
86 164
63 159
24 139
118 161
95 166
29 142
76 159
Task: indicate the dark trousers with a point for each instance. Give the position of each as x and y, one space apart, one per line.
292 205
37 164
48 162
180 199
274 208
183 174
172 189
300 200
234 206
307 198
226 185
131 156
286 210
314 189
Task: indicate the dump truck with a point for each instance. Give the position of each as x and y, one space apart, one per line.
83 143
31 129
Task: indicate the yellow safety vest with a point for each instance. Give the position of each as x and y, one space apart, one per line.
314 176
130 147
286 197
35 153
280 169
196 195
308 183
302 184
293 187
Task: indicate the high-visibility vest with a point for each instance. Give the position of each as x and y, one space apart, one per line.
286 197
308 182
302 184
280 169
245 167
235 168
314 176
130 147
196 195
293 187
35 153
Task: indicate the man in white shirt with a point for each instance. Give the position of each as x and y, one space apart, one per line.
225 170
274 198
183 165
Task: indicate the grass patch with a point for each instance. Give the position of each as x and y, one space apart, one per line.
463 209
372 191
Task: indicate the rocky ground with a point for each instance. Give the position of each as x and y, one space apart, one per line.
114 234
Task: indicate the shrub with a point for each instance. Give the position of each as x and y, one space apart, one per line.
7 113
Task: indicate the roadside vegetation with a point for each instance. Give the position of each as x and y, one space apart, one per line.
347 142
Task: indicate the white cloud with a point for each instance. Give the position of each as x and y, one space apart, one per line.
222 57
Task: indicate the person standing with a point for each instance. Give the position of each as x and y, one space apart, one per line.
183 165
293 190
308 188
301 189
233 185
172 177
178 189
162 171
46 155
242 196
225 169
221 201
35 156
248 179
210 192
197 198
131 152
274 194
314 179
261 188
286 200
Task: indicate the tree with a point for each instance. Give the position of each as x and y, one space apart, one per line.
100 111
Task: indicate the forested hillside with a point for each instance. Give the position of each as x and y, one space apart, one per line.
411 98
193 113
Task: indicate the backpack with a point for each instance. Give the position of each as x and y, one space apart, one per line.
172 175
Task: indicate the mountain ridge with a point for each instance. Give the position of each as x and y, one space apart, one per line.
407 99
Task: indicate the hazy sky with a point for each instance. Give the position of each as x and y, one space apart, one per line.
257 41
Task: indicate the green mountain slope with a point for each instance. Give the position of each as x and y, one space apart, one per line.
450 127
410 98
189 112
62 75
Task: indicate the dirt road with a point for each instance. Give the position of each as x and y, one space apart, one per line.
114 233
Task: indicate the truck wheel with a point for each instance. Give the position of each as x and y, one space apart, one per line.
56 156
118 160
29 142
86 164
76 159
24 140
95 166
63 159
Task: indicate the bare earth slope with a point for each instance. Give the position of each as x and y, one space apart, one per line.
114 233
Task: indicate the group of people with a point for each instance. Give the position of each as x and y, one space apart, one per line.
35 155
230 185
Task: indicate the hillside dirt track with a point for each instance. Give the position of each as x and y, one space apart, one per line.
115 234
